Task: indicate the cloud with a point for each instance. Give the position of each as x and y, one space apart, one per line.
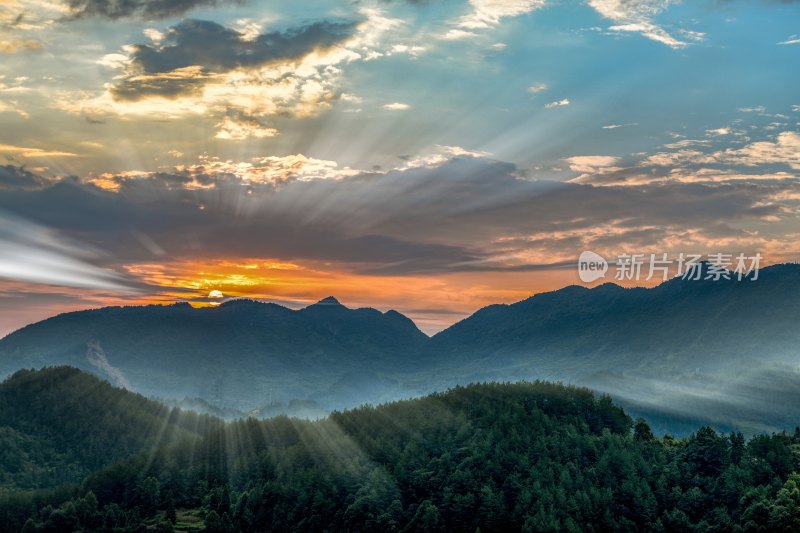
590 163
439 155
537 88
785 150
12 107
396 106
34 254
144 9
637 16
185 81
194 50
557 103
488 13
12 46
616 126
31 153
273 169
212 173
22 22
685 143
643 176
290 222
456 34
679 158
456 212
696 36
238 78
12 177
237 126
793 39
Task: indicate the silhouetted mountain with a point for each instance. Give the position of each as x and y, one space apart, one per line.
703 349
243 354
683 352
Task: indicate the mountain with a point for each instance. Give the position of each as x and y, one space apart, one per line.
608 323
722 350
491 457
59 424
683 353
243 354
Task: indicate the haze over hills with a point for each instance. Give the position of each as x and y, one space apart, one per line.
59 424
242 354
720 351
682 352
528 456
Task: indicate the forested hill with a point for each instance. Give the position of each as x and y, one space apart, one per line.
59 424
495 457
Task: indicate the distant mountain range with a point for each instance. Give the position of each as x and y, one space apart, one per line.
242 354
682 352
691 351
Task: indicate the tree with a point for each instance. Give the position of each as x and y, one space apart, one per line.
426 518
150 495
642 431
737 447
170 513
214 523
784 514
706 453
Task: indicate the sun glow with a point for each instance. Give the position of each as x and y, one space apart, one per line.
432 301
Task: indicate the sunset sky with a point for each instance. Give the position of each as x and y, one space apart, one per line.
430 156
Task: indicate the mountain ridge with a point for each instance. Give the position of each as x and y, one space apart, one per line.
688 343
221 351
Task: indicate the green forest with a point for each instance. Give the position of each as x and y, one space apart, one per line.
79 455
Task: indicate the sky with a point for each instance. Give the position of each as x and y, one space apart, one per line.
428 156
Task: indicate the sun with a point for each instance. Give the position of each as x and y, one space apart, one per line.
216 294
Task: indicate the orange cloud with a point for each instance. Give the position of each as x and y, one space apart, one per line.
433 302
11 46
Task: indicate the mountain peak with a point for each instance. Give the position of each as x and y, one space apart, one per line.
330 300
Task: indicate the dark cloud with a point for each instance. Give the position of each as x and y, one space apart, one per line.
194 50
179 83
146 9
12 177
205 223
15 22
465 215
219 49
